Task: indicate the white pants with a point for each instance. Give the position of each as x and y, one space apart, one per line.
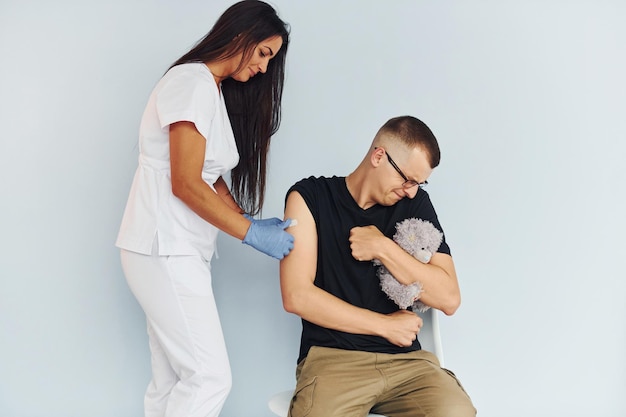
190 370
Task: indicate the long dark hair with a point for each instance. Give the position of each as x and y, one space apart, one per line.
254 107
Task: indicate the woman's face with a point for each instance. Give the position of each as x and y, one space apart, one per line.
263 52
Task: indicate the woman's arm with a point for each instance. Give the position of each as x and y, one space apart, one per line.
224 192
187 148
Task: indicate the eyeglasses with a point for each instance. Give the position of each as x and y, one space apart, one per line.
407 184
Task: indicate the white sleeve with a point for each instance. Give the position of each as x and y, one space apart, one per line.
187 97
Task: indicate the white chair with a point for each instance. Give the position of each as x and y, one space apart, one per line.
429 337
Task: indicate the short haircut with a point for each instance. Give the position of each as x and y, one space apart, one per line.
412 132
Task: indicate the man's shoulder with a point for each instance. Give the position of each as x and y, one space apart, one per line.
314 182
421 198
317 189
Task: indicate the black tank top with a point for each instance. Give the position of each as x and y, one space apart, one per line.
335 212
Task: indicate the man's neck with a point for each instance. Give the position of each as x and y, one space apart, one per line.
357 188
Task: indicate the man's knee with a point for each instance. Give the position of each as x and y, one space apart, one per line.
466 410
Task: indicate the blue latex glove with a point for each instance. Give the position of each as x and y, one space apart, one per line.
272 221
270 238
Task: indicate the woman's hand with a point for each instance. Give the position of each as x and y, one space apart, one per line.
270 237
272 221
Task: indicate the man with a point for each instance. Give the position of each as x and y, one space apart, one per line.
358 351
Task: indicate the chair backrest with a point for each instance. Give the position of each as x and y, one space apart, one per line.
429 337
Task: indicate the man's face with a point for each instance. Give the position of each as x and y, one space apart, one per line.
403 175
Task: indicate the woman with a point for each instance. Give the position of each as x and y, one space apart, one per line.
213 111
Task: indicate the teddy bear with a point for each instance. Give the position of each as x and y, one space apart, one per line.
421 240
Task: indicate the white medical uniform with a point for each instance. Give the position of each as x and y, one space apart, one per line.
167 248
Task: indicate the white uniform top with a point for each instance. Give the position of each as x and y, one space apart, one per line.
187 92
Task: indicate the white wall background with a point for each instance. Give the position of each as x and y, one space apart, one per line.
528 102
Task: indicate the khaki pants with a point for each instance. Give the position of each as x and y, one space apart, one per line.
344 383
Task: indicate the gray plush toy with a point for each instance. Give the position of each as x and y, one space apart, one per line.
420 239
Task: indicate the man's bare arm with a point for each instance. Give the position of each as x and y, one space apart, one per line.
302 297
438 277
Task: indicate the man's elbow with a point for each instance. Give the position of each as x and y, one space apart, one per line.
452 305
292 302
290 305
